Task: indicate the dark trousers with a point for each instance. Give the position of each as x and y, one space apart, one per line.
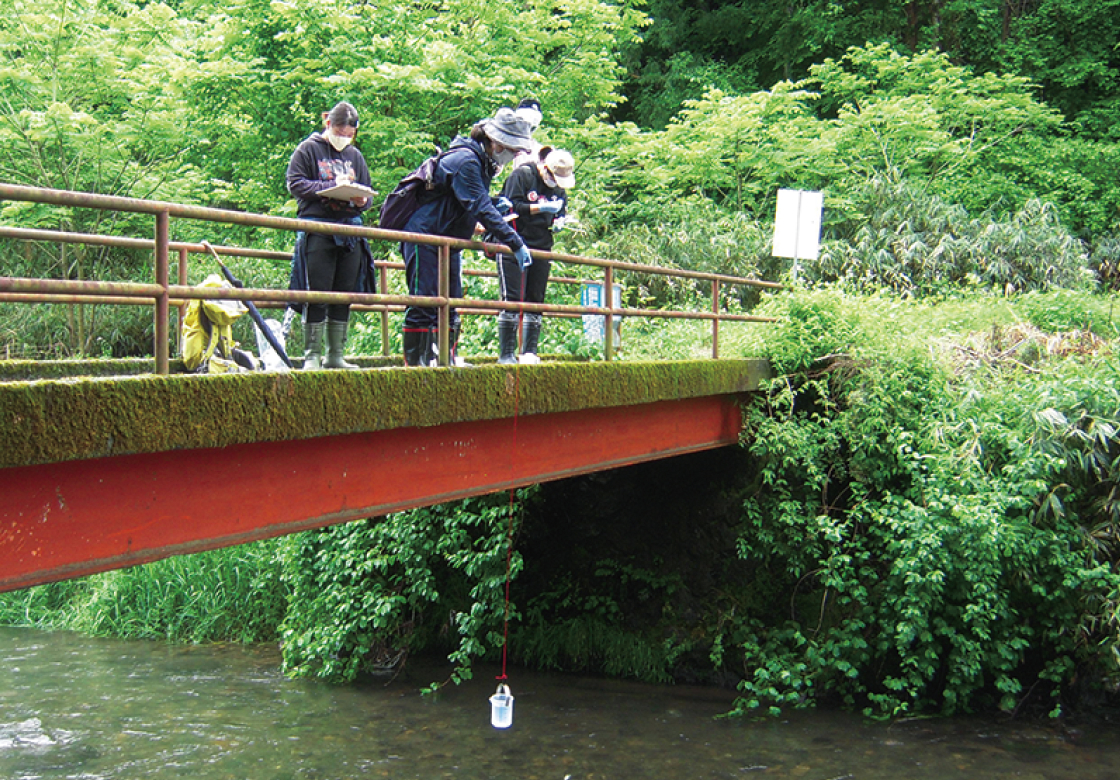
333 268
528 287
421 268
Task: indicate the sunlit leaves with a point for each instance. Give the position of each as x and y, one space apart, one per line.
90 100
419 74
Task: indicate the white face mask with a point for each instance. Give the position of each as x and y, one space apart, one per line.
505 156
339 142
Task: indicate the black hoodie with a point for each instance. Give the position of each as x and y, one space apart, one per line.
314 167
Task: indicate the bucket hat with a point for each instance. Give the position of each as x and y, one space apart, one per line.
510 130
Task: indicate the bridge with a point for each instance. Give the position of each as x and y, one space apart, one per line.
100 472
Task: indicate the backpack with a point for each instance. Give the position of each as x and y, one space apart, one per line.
410 192
208 345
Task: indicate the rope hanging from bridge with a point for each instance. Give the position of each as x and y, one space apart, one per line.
501 703
512 492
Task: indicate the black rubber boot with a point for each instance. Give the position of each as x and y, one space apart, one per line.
417 347
530 334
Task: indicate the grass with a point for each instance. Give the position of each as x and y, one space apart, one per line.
232 594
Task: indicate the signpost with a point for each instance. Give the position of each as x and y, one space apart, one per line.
797 225
592 295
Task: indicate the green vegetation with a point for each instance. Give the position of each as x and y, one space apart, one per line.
938 506
412 581
944 153
233 594
923 517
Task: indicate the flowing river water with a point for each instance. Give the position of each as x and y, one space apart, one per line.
78 707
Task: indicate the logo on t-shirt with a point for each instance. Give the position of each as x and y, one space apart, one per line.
329 170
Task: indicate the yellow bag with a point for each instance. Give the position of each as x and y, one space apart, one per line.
208 331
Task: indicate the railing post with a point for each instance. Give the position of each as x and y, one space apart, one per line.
715 322
383 272
445 308
181 308
608 318
162 343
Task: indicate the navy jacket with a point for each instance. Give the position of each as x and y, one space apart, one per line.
461 198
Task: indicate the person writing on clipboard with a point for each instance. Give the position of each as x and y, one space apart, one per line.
321 175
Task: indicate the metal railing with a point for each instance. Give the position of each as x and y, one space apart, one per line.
164 295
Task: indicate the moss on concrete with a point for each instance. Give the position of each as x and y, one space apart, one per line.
65 419
27 370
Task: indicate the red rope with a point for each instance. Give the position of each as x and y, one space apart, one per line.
512 461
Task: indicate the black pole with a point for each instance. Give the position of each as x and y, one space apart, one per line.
253 312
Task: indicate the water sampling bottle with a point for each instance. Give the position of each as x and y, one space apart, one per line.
501 708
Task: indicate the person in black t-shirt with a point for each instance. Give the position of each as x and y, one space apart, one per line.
538 192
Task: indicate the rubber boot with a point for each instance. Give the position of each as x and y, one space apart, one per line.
530 334
336 344
417 347
453 348
313 345
507 341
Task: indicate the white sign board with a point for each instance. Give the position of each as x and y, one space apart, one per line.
797 224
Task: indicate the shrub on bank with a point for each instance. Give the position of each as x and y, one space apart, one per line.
944 523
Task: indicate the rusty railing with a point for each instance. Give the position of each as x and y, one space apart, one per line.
163 295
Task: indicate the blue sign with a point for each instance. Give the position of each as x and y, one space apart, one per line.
592 295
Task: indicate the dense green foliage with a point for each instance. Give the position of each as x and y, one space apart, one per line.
1067 48
944 522
231 594
923 517
366 594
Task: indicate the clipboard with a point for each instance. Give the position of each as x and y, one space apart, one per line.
348 191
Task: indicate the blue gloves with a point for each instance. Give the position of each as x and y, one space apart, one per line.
503 205
524 259
550 206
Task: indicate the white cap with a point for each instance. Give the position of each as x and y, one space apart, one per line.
561 165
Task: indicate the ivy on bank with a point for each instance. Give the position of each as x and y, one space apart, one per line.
947 539
365 594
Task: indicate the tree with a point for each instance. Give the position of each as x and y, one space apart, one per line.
90 103
419 74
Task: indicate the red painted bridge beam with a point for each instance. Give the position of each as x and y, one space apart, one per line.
73 518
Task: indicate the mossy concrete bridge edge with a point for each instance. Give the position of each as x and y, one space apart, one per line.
67 419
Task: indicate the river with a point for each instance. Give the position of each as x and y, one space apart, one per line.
79 707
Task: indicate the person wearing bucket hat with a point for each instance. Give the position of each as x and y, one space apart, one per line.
529 109
539 197
459 200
